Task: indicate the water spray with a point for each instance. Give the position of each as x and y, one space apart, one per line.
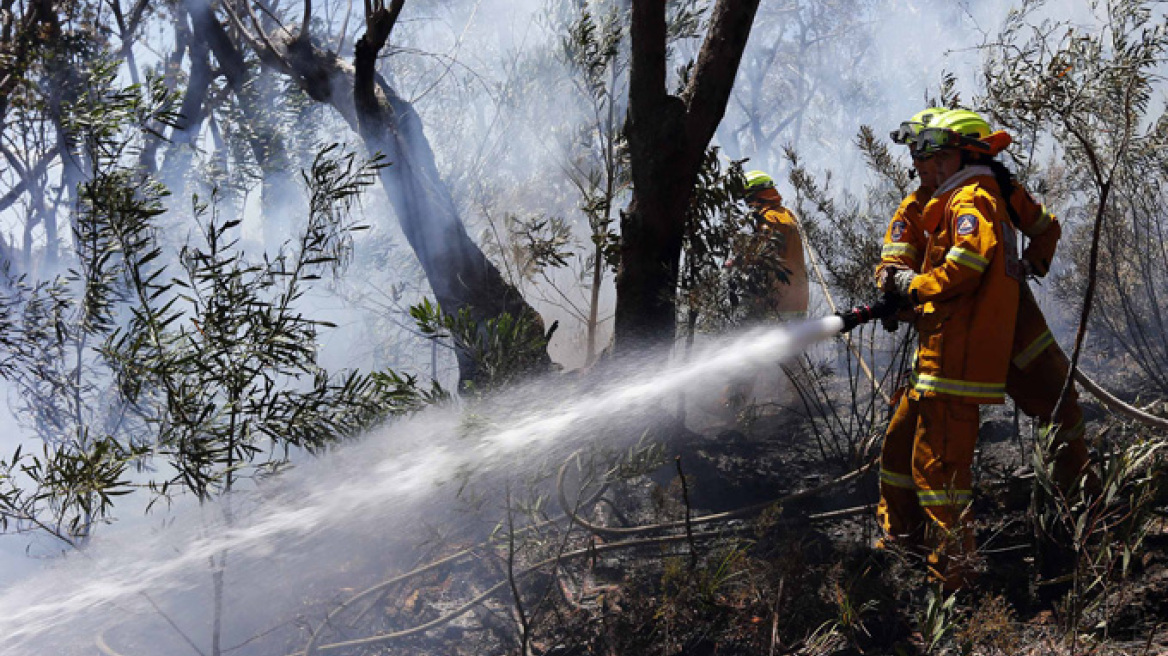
388 479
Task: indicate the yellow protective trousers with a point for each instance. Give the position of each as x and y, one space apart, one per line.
926 482
899 511
1035 391
925 477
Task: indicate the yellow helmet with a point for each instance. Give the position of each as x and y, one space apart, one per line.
757 181
964 122
962 129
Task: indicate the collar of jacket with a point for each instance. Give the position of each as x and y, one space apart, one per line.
770 197
959 179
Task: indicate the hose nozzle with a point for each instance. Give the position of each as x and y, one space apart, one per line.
881 309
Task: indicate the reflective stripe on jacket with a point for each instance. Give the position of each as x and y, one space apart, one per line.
903 244
968 300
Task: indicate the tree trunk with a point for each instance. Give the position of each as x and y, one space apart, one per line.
459 273
181 150
64 82
148 158
280 185
667 137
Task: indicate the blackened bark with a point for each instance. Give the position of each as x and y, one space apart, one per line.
667 137
192 111
459 273
267 146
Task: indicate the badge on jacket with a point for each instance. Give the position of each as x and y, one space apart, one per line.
897 230
966 224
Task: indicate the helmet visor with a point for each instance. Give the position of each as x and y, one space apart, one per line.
906 133
931 140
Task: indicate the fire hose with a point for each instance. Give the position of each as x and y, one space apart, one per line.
885 308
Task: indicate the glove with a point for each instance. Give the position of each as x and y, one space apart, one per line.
886 277
902 282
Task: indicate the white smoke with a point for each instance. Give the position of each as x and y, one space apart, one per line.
346 519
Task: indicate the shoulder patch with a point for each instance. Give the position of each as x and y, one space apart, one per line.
897 230
966 224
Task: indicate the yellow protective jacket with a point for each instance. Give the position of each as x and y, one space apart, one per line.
1039 225
967 291
905 240
1032 336
790 299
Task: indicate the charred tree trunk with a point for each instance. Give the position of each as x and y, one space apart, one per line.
192 111
267 147
459 273
668 136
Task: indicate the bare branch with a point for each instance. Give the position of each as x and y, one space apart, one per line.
37 170
261 44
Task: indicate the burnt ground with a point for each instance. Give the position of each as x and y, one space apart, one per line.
837 594
799 576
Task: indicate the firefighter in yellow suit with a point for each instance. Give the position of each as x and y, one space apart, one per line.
784 300
777 240
899 510
1038 366
966 297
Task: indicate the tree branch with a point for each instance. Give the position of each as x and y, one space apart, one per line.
261 44
379 22
210 31
713 77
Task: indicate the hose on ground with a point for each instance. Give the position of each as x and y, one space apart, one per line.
313 647
1119 407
